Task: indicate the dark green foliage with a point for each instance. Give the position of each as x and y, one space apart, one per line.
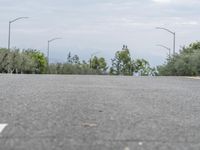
39 61
186 63
27 61
66 68
142 67
72 59
3 59
32 61
74 66
98 64
123 64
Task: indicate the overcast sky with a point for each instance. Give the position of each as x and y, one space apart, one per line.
89 26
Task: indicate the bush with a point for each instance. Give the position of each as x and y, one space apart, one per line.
187 63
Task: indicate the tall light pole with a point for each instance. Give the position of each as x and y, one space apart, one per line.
10 22
49 41
174 37
165 48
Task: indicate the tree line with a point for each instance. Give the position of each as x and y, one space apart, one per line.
185 63
25 61
32 61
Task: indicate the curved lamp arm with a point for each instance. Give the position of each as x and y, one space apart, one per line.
18 19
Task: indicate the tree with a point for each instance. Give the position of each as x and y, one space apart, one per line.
39 60
75 59
98 64
142 67
186 63
122 63
69 58
14 61
3 59
26 61
102 64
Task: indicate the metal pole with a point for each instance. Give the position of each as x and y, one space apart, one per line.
166 48
9 32
48 57
174 38
174 44
48 48
91 62
9 35
48 54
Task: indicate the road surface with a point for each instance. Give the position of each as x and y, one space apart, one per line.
54 112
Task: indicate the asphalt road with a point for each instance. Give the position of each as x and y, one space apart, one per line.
47 112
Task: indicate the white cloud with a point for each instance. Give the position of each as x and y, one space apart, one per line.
162 1
187 23
179 2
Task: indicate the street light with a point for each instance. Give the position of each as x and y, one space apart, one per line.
49 41
10 28
165 48
174 35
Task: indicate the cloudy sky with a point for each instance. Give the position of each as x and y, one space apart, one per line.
103 26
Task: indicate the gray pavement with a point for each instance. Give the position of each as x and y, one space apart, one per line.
49 112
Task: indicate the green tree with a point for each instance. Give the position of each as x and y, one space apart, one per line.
142 67
186 63
14 61
99 64
27 63
4 59
69 58
122 63
39 60
75 59
72 59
